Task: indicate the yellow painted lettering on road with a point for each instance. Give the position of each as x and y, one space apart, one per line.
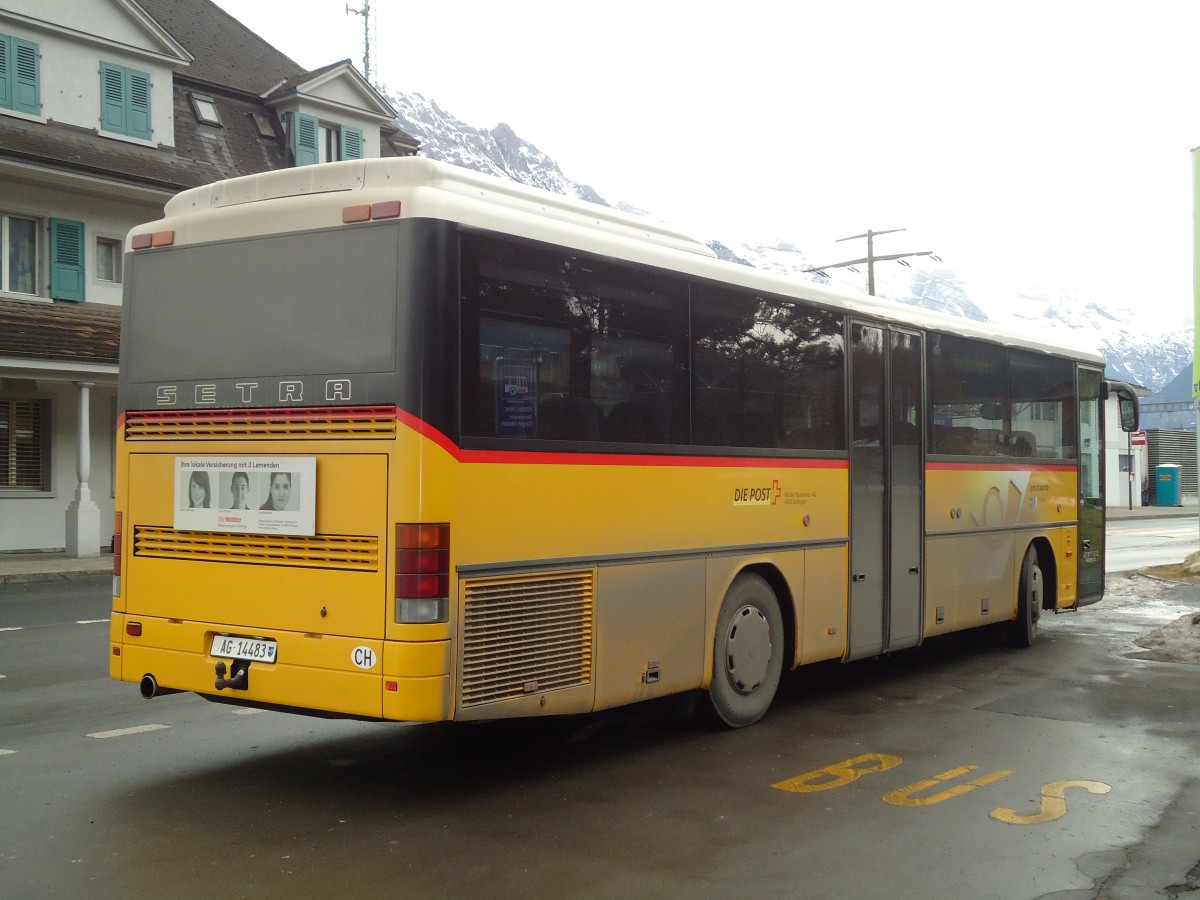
839 774
1054 803
904 796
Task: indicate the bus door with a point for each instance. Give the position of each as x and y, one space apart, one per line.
886 489
1090 578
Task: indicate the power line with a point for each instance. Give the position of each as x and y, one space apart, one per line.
870 259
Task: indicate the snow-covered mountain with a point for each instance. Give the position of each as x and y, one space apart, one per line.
1141 352
496 152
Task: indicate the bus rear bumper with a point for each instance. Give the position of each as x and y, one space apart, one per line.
326 675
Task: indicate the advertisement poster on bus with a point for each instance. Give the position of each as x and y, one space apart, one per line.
246 494
516 403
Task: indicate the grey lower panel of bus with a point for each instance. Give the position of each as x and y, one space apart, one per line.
593 637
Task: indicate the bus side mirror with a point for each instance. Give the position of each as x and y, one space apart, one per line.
1129 413
1127 404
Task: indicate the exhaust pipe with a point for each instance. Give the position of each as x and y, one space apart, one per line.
149 688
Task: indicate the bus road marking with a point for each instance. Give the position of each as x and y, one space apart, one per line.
122 732
839 774
903 797
1054 803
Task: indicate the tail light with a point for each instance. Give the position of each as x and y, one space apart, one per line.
156 239
422 574
116 551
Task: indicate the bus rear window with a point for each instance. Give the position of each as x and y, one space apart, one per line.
282 305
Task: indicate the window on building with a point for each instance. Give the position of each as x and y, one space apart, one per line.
337 143
24 444
20 76
314 142
125 101
205 109
18 254
108 259
266 128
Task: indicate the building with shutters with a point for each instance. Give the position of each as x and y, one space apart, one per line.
107 109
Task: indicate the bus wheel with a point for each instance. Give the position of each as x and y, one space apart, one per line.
1030 593
747 653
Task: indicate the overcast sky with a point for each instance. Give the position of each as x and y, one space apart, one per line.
1049 139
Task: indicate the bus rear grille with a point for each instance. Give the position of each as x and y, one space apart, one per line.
323 551
524 635
276 424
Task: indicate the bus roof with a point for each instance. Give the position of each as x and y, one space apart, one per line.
307 198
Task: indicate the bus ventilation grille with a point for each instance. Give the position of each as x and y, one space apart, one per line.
323 551
276 424
525 635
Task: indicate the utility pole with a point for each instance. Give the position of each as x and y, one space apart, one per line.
365 12
870 259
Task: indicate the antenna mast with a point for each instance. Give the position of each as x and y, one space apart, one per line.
365 12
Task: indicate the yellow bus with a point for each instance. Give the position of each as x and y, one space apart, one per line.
399 441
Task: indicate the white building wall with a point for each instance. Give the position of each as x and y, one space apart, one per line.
37 521
1118 484
70 60
103 215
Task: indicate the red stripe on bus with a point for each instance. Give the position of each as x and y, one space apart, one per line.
270 412
558 458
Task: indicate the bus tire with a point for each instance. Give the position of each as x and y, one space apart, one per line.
1031 592
747 653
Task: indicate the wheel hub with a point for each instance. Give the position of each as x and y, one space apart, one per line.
747 649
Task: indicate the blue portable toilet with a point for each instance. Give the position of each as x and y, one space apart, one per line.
1167 485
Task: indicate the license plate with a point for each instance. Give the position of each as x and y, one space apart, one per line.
254 649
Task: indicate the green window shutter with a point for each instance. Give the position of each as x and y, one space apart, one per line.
352 143
304 139
125 101
67 275
139 105
26 85
112 98
6 75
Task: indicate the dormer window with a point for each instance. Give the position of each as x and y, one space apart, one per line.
338 142
205 110
125 101
314 142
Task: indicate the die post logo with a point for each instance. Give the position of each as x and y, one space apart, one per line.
757 495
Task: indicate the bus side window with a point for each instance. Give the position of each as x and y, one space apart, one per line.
766 373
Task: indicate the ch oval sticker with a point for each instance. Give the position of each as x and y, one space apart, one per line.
364 657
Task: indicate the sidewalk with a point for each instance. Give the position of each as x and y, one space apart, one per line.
1153 512
18 568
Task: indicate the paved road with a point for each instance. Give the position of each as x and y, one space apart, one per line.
963 769
1137 543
